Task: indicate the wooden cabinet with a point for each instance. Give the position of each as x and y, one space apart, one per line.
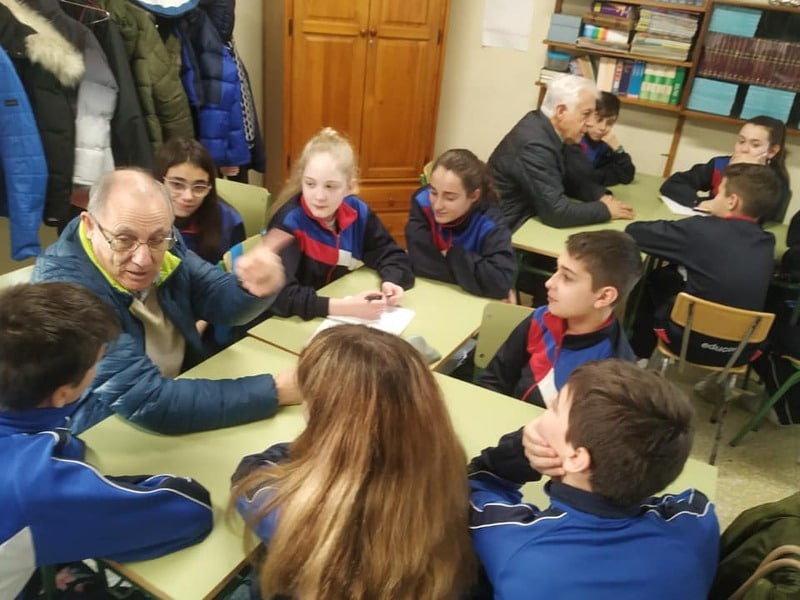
371 69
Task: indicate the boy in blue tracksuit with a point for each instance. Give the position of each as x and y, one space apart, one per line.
613 436
57 508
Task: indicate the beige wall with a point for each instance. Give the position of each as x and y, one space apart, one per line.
486 90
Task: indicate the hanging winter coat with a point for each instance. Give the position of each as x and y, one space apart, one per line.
162 97
50 69
97 96
23 168
211 79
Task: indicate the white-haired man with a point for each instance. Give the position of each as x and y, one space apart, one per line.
528 164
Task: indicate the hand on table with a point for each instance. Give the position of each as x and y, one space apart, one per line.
286 386
260 271
365 305
617 208
540 454
392 293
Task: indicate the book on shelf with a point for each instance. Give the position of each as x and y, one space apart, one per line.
606 68
547 75
614 9
602 20
582 65
637 75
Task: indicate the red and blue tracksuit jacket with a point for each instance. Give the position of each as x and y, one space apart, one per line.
479 256
320 255
539 356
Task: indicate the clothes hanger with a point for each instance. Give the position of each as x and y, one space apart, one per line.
89 5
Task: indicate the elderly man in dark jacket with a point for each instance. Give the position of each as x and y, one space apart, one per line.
528 164
125 249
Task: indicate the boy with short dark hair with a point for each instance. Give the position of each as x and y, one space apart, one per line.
57 508
599 160
728 258
594 273
618 435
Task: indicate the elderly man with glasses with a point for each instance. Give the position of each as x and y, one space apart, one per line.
125 249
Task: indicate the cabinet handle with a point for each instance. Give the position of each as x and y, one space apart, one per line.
362 32
373 32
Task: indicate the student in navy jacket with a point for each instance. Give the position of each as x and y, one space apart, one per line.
209 225
761 140
56 507
614 436
327 231
371 499
596 271
599 160
455 231
729 259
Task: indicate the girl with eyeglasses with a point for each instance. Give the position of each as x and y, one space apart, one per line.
209 225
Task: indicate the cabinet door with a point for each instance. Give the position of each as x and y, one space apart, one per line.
326 66
401 87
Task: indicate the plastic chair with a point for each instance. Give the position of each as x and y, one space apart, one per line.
251 201
21 275
726 324
229 258
499 320
754 423
425 176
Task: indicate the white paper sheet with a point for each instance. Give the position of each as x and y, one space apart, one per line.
680 209
507 24
393 320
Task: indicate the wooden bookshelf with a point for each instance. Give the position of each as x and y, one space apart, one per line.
634 101
575 49
670 5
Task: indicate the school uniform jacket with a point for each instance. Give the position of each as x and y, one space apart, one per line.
57 508
528 171
539 356
479 254
126 381
582 545
231 228
727 260
319 255
684 185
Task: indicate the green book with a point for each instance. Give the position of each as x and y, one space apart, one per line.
677 86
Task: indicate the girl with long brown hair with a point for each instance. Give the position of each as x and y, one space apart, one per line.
371 500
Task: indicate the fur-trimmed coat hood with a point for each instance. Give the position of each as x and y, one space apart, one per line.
47 47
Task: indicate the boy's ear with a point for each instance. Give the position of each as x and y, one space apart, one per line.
579 461
606 296
733 202
63 395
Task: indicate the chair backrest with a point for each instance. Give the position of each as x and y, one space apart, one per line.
251 201
721 322
21 275
425 176
236 251
499 320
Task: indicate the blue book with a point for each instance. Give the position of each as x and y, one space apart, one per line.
635 85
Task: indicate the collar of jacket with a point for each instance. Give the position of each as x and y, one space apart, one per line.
588 502
168 265
35 420
345 215
47 47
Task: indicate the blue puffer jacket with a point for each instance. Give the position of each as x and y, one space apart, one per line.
211 80
127 382
23 168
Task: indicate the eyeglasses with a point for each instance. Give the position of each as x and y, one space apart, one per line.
178 186
126 244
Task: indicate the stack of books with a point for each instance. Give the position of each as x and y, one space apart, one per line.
760 61
642 80
664 33
607 26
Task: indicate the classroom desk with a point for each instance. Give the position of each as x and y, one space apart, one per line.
643 195
446 316
115 446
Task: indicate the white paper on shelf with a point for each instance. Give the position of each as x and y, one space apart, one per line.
680 209
393 320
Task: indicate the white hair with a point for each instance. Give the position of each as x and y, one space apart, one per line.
566 90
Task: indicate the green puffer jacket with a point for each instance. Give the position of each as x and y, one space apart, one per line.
156 72
745 543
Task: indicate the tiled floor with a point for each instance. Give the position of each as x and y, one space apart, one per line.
762 468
